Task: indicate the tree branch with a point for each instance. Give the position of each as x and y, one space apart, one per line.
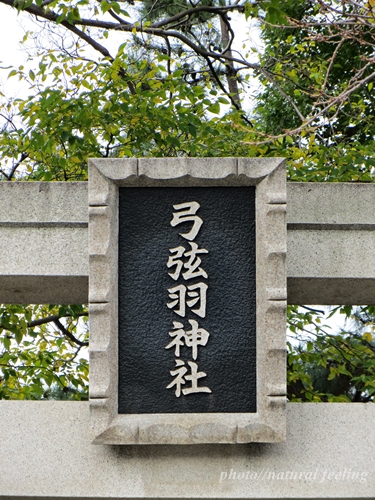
190 12
128 28
284 94
68 334
49 319
14 168
94 44
8 120
4 174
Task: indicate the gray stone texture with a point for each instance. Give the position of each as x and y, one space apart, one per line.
43 242
43 202
47 454
268 423
317 212
331 243
329 451
331 203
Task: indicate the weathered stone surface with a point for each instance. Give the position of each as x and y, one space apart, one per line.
199 168
43 202
102 189
43 264
329 453
337 252
331 203
43 242
342 208
189 428
330 291
258 168
44 288
330 242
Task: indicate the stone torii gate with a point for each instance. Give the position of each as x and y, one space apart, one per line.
46 450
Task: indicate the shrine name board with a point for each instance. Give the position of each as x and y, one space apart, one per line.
187 303
187 300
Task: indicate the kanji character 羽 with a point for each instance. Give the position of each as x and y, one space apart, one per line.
197 294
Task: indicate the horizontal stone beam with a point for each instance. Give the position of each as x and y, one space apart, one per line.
329 453
331 241
44 242
44 257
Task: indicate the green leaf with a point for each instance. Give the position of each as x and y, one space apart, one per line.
86 84
214 108
18 336
347 310
105 6
275 15
61 18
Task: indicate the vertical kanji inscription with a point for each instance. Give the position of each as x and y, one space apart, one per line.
191 298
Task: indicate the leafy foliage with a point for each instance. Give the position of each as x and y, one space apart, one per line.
87 113
331 367
36 359
173 87
317 100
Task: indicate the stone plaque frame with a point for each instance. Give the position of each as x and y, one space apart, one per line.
268 424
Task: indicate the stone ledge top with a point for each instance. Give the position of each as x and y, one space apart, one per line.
48 203
192 171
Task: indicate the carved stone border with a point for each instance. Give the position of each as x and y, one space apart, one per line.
268 424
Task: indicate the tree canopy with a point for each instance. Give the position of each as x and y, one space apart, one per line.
169 78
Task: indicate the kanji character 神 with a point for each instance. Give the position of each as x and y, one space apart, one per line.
190 338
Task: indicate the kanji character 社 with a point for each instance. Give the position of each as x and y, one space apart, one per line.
180 373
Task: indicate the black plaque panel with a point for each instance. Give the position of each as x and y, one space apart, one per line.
229 358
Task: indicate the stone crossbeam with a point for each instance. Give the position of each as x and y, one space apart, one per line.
44 251
329 453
